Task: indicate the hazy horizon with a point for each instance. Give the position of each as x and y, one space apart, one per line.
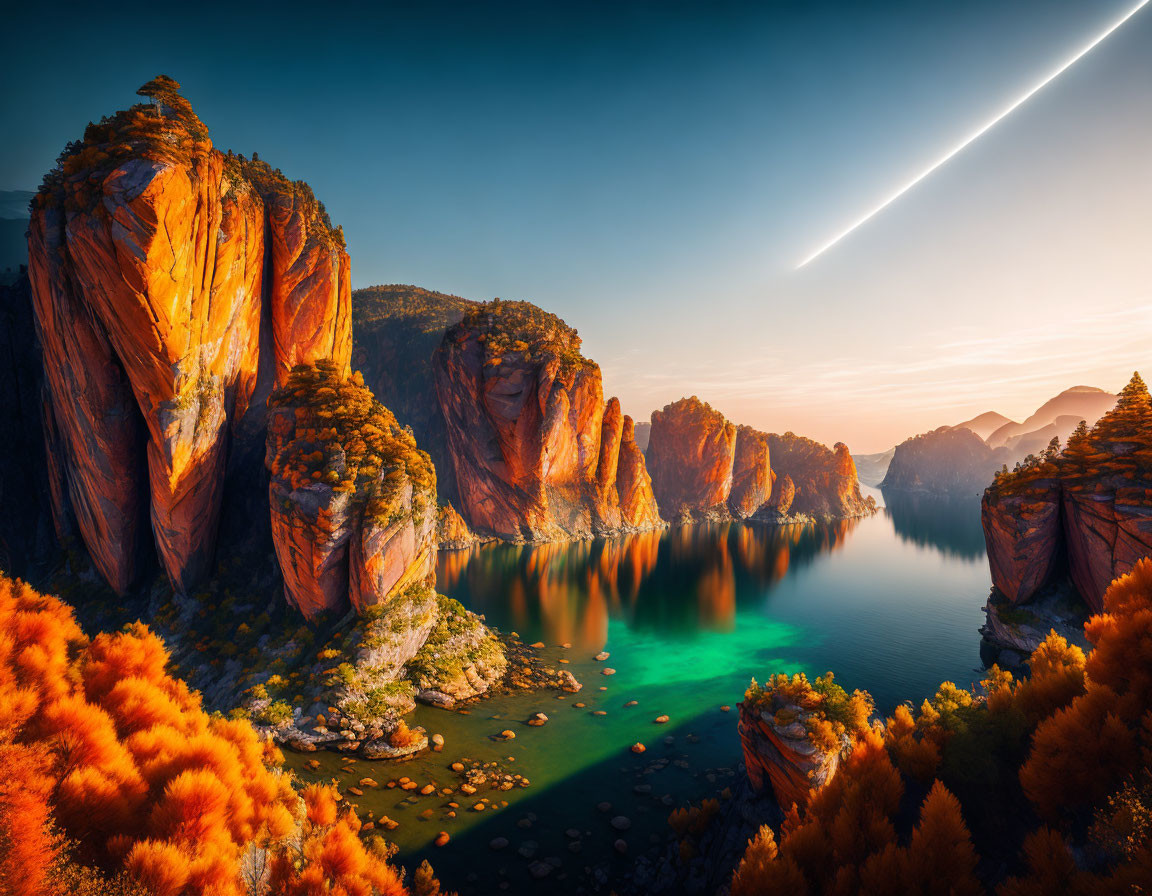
654 175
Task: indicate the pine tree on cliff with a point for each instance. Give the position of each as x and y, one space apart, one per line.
1131 419
165 92
1074 460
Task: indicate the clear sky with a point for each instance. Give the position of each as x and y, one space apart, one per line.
653 173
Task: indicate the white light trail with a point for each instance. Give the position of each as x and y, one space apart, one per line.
975 136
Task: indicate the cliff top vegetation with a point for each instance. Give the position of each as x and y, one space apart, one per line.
344 438
523 329
113 779
412 306
828 712
167 130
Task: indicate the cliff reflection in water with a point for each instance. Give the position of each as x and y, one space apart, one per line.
950 524
677 581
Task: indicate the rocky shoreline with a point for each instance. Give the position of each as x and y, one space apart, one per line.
325 727
1012 631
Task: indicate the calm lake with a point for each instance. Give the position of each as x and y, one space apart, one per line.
892 604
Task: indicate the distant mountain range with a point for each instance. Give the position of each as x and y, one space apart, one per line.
945 461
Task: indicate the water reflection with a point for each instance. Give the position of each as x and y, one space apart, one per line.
680 582
950 524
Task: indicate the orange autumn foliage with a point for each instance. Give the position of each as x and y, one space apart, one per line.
331 859
27 845
1061 775
100 743
846 842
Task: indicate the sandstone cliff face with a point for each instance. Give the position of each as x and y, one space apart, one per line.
525 418
825 485
638 505
752 476
353 501
1024 536
691 454
782 757
1087 510
783 494
452 532
704 467
1105 534
157 264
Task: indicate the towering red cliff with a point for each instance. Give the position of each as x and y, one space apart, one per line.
1087 509
534 448
172 284
353 500
691 453
752 475
633 484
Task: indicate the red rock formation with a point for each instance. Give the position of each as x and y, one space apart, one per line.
608 465
691 452
782 757
824 480
148 255
783 494
311 287
1023 534
1089 508
524 413
633 484
353 501
705 467
752 475
452 532
1105 535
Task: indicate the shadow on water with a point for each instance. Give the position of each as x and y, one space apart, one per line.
581 809
950 524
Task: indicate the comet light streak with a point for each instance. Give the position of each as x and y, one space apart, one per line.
975 136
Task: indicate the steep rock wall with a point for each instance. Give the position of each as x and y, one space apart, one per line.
525 418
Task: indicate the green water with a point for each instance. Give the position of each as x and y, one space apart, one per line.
892 604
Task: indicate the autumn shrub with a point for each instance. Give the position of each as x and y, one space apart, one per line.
828 712
1107 719
402 736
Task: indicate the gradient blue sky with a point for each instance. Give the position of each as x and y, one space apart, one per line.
653 172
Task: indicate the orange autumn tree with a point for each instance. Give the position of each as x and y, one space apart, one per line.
846 842
99 745
1112 718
